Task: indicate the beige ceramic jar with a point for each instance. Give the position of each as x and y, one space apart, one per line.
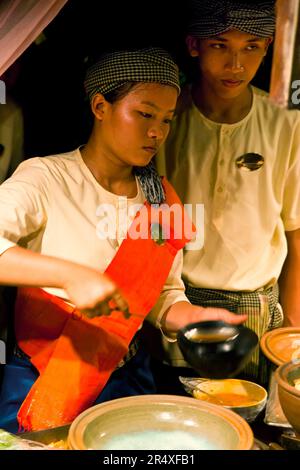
288 378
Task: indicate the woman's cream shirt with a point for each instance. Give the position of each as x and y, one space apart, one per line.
54 206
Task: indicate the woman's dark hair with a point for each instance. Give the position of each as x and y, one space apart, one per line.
119 93
112 97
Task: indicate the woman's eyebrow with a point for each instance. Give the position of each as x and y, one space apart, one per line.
257 39
153 105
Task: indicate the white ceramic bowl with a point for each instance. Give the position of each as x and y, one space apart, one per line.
245 398
155 422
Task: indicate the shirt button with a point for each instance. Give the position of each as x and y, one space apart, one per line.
221 162
225 131
220 189
217 215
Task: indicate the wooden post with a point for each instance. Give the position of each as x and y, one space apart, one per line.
285 53
294 101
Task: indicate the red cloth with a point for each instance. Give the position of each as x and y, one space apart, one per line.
74 355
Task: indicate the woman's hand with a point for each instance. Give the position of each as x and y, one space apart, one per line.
90 291
183 313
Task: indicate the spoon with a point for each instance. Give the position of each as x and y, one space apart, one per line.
213 397
192 383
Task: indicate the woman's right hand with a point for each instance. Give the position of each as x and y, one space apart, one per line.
90 291
183 313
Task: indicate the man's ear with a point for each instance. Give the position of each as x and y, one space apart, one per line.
98 106
268 42
192 45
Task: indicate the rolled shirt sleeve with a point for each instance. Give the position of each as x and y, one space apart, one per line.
23 205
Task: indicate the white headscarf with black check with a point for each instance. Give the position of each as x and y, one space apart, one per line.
212 17
142 65
151 65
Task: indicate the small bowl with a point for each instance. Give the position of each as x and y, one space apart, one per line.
289 395
159 422
245 398
216 349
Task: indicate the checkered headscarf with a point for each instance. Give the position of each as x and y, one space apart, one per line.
143 65
212 17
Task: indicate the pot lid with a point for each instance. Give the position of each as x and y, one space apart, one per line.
281 345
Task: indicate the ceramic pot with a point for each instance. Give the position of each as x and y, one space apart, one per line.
289 396
156 422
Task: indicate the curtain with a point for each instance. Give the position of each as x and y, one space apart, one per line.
21 21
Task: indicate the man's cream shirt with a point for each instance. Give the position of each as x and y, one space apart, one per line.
246 213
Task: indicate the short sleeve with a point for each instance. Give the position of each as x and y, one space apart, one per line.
24 199
291 202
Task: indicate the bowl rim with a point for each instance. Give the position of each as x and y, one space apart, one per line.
260 402
280 380
181 333
242 428
266 338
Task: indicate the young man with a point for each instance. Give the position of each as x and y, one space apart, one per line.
235 152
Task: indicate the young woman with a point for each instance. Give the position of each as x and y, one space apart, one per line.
67 219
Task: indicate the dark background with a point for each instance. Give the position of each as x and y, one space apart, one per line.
49 85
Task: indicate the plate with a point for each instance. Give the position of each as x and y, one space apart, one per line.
281 345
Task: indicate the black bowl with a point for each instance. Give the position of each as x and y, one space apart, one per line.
216 349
